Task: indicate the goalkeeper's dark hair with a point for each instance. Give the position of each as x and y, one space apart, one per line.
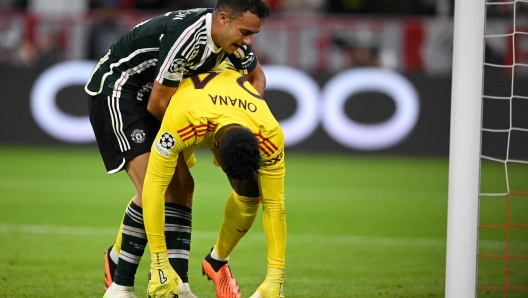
236 8
239 153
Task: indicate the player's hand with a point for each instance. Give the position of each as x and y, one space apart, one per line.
272 285
163 280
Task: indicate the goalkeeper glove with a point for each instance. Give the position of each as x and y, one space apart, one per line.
272 285
163 280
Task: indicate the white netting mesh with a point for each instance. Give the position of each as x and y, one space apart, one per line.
503 219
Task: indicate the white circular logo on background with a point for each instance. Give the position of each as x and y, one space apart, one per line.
313 105
49 117
369 136
306 93
328 106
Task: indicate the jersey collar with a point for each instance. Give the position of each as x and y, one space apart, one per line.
210 43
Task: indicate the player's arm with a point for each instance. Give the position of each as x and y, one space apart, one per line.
160 170
274 219
257 79
274 223
246 62
159 99
168 77
271 181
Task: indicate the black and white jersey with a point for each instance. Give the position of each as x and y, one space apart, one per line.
166 48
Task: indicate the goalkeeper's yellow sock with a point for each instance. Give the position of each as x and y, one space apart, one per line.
239 214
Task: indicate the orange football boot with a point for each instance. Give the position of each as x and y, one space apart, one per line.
220 273
110 269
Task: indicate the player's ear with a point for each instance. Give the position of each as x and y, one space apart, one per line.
223 17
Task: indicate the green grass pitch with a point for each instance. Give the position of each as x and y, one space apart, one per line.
358 226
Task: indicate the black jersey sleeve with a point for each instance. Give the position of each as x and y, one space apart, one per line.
244 59
171 65
176 46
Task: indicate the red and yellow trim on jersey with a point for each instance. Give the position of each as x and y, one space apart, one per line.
265 145
190 131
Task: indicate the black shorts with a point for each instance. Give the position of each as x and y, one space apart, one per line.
123 129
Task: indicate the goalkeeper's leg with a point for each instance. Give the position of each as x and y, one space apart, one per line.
239 215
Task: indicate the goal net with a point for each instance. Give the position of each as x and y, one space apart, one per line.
503 208
487 227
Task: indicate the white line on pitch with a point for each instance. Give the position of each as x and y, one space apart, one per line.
294 238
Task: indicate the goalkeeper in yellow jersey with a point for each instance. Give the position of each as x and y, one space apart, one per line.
222 111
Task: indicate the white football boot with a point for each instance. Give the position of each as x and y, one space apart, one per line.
185 291
117 291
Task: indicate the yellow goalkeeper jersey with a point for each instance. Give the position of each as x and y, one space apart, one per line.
202 105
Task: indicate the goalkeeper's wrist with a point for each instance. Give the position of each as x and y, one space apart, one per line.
159 259
275 274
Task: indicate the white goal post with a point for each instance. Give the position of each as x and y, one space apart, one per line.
464 151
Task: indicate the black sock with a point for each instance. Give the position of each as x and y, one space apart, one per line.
215 264
132 245
178 226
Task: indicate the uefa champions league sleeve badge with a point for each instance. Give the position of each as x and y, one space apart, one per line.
165 143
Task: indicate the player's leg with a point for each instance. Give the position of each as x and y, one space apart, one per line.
124 131
178 219
133 235
111 256
239 214
178 224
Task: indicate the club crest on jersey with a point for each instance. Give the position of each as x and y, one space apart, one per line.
138 136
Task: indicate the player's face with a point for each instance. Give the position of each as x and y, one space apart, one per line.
236 32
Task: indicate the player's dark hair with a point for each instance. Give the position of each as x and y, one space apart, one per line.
239 152
238 7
